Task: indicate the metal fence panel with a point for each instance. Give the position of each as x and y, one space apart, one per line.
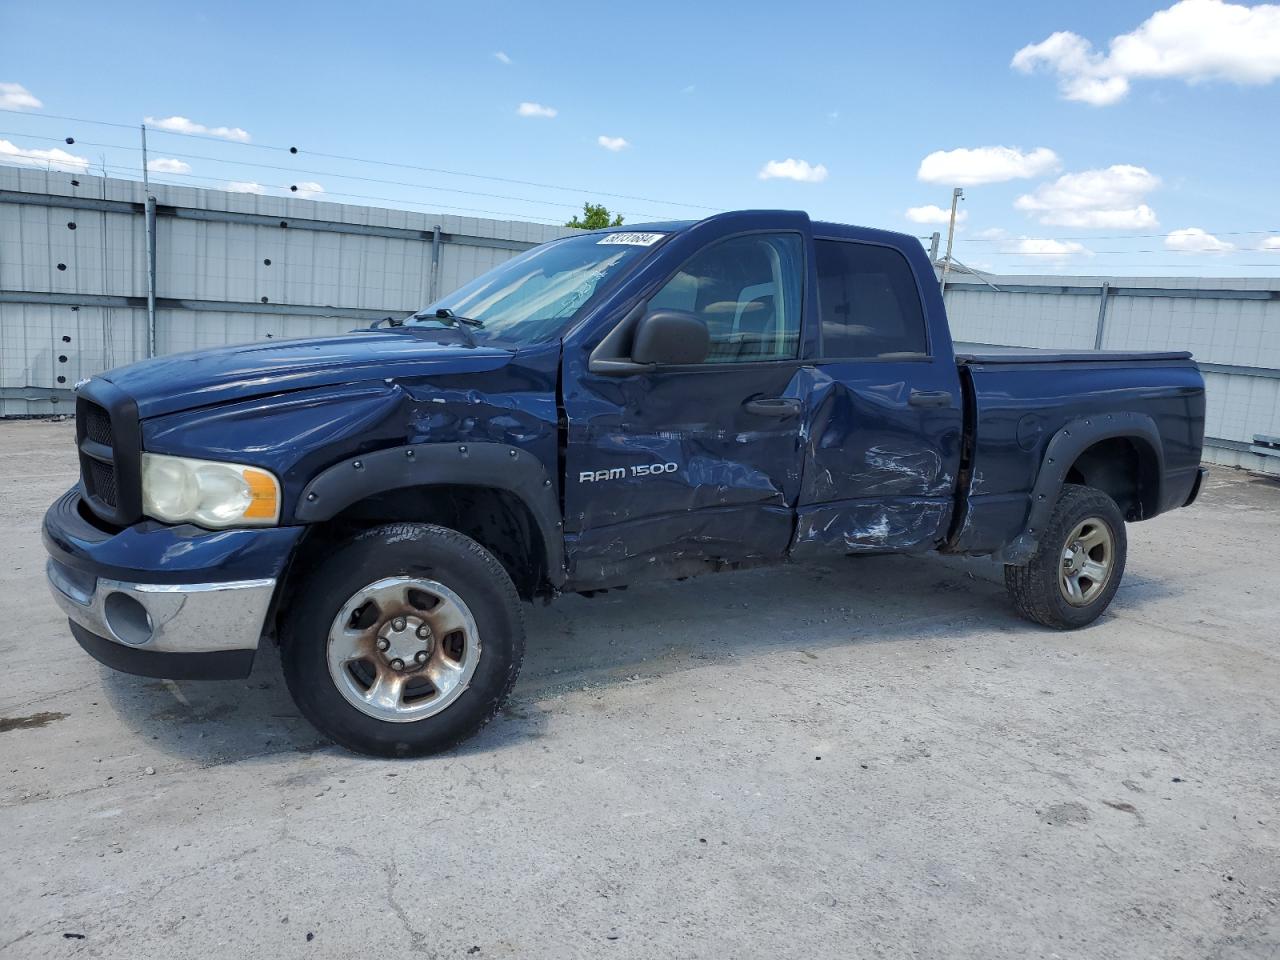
230 268
1232 326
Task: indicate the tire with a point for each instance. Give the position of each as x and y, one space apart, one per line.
451 622
1085 534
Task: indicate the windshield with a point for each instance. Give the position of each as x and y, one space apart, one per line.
534 297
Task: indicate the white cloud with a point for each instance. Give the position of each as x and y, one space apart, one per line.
14 96
791 169
245 186
528 109
1110 198
1271 244
1195 240
183 125
613 143
502 58
168 165
54 159
966 167
1047 248
931 213
1194 40
307 189
992 233
1073 59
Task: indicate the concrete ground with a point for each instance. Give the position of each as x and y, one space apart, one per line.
865 758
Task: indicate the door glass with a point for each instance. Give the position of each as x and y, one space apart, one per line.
747 291
869 302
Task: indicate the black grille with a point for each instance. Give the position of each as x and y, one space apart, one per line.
110 442
102 480
97 424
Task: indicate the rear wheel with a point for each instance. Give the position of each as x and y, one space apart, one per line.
1077 567
404 641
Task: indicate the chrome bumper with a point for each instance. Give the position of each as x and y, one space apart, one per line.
164 618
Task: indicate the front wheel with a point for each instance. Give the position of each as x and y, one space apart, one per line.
404 641
1077 566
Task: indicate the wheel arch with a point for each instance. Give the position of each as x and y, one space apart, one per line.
498 495
1125 468
1085 451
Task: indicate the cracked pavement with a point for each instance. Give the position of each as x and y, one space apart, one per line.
860 758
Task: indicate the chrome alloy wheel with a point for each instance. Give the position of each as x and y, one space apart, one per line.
403 648
1087 561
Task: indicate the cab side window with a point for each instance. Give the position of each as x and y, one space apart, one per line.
747 291
869 302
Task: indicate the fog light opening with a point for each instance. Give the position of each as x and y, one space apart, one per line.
128 619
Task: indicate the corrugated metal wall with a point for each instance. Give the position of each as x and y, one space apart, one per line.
230 267
1232 326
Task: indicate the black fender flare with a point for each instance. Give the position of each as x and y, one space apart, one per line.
1062 451
493 465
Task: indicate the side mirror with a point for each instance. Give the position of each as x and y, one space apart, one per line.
670 337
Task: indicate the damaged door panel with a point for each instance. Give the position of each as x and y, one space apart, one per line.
878 473
883 439
880 525
695 463
674 465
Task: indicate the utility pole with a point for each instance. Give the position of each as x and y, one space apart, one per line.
956 196
149 220
933 246
146 182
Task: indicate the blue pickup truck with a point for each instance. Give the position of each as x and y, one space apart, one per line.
612 407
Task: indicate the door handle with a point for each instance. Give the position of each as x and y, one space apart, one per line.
929 398
773 407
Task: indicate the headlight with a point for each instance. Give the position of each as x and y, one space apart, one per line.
211 494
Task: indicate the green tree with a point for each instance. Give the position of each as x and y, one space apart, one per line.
594 216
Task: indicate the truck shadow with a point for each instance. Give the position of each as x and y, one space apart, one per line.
625 636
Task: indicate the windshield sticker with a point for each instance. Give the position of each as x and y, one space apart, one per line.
631 239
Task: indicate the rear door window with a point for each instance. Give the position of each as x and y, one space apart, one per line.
869 303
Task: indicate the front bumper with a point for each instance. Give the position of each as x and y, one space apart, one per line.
179 631
164 601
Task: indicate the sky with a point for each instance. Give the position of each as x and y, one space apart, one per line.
1089 138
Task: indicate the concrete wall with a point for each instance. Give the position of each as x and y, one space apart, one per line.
231 267
1232 326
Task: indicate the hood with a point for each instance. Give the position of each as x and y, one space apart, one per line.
224 374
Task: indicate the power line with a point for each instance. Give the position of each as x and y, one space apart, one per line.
326 173
355 159
159 177
55 116
520 199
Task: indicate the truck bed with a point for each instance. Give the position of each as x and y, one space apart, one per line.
1017 399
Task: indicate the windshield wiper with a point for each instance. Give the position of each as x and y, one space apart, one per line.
389 321
453 321
444 313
